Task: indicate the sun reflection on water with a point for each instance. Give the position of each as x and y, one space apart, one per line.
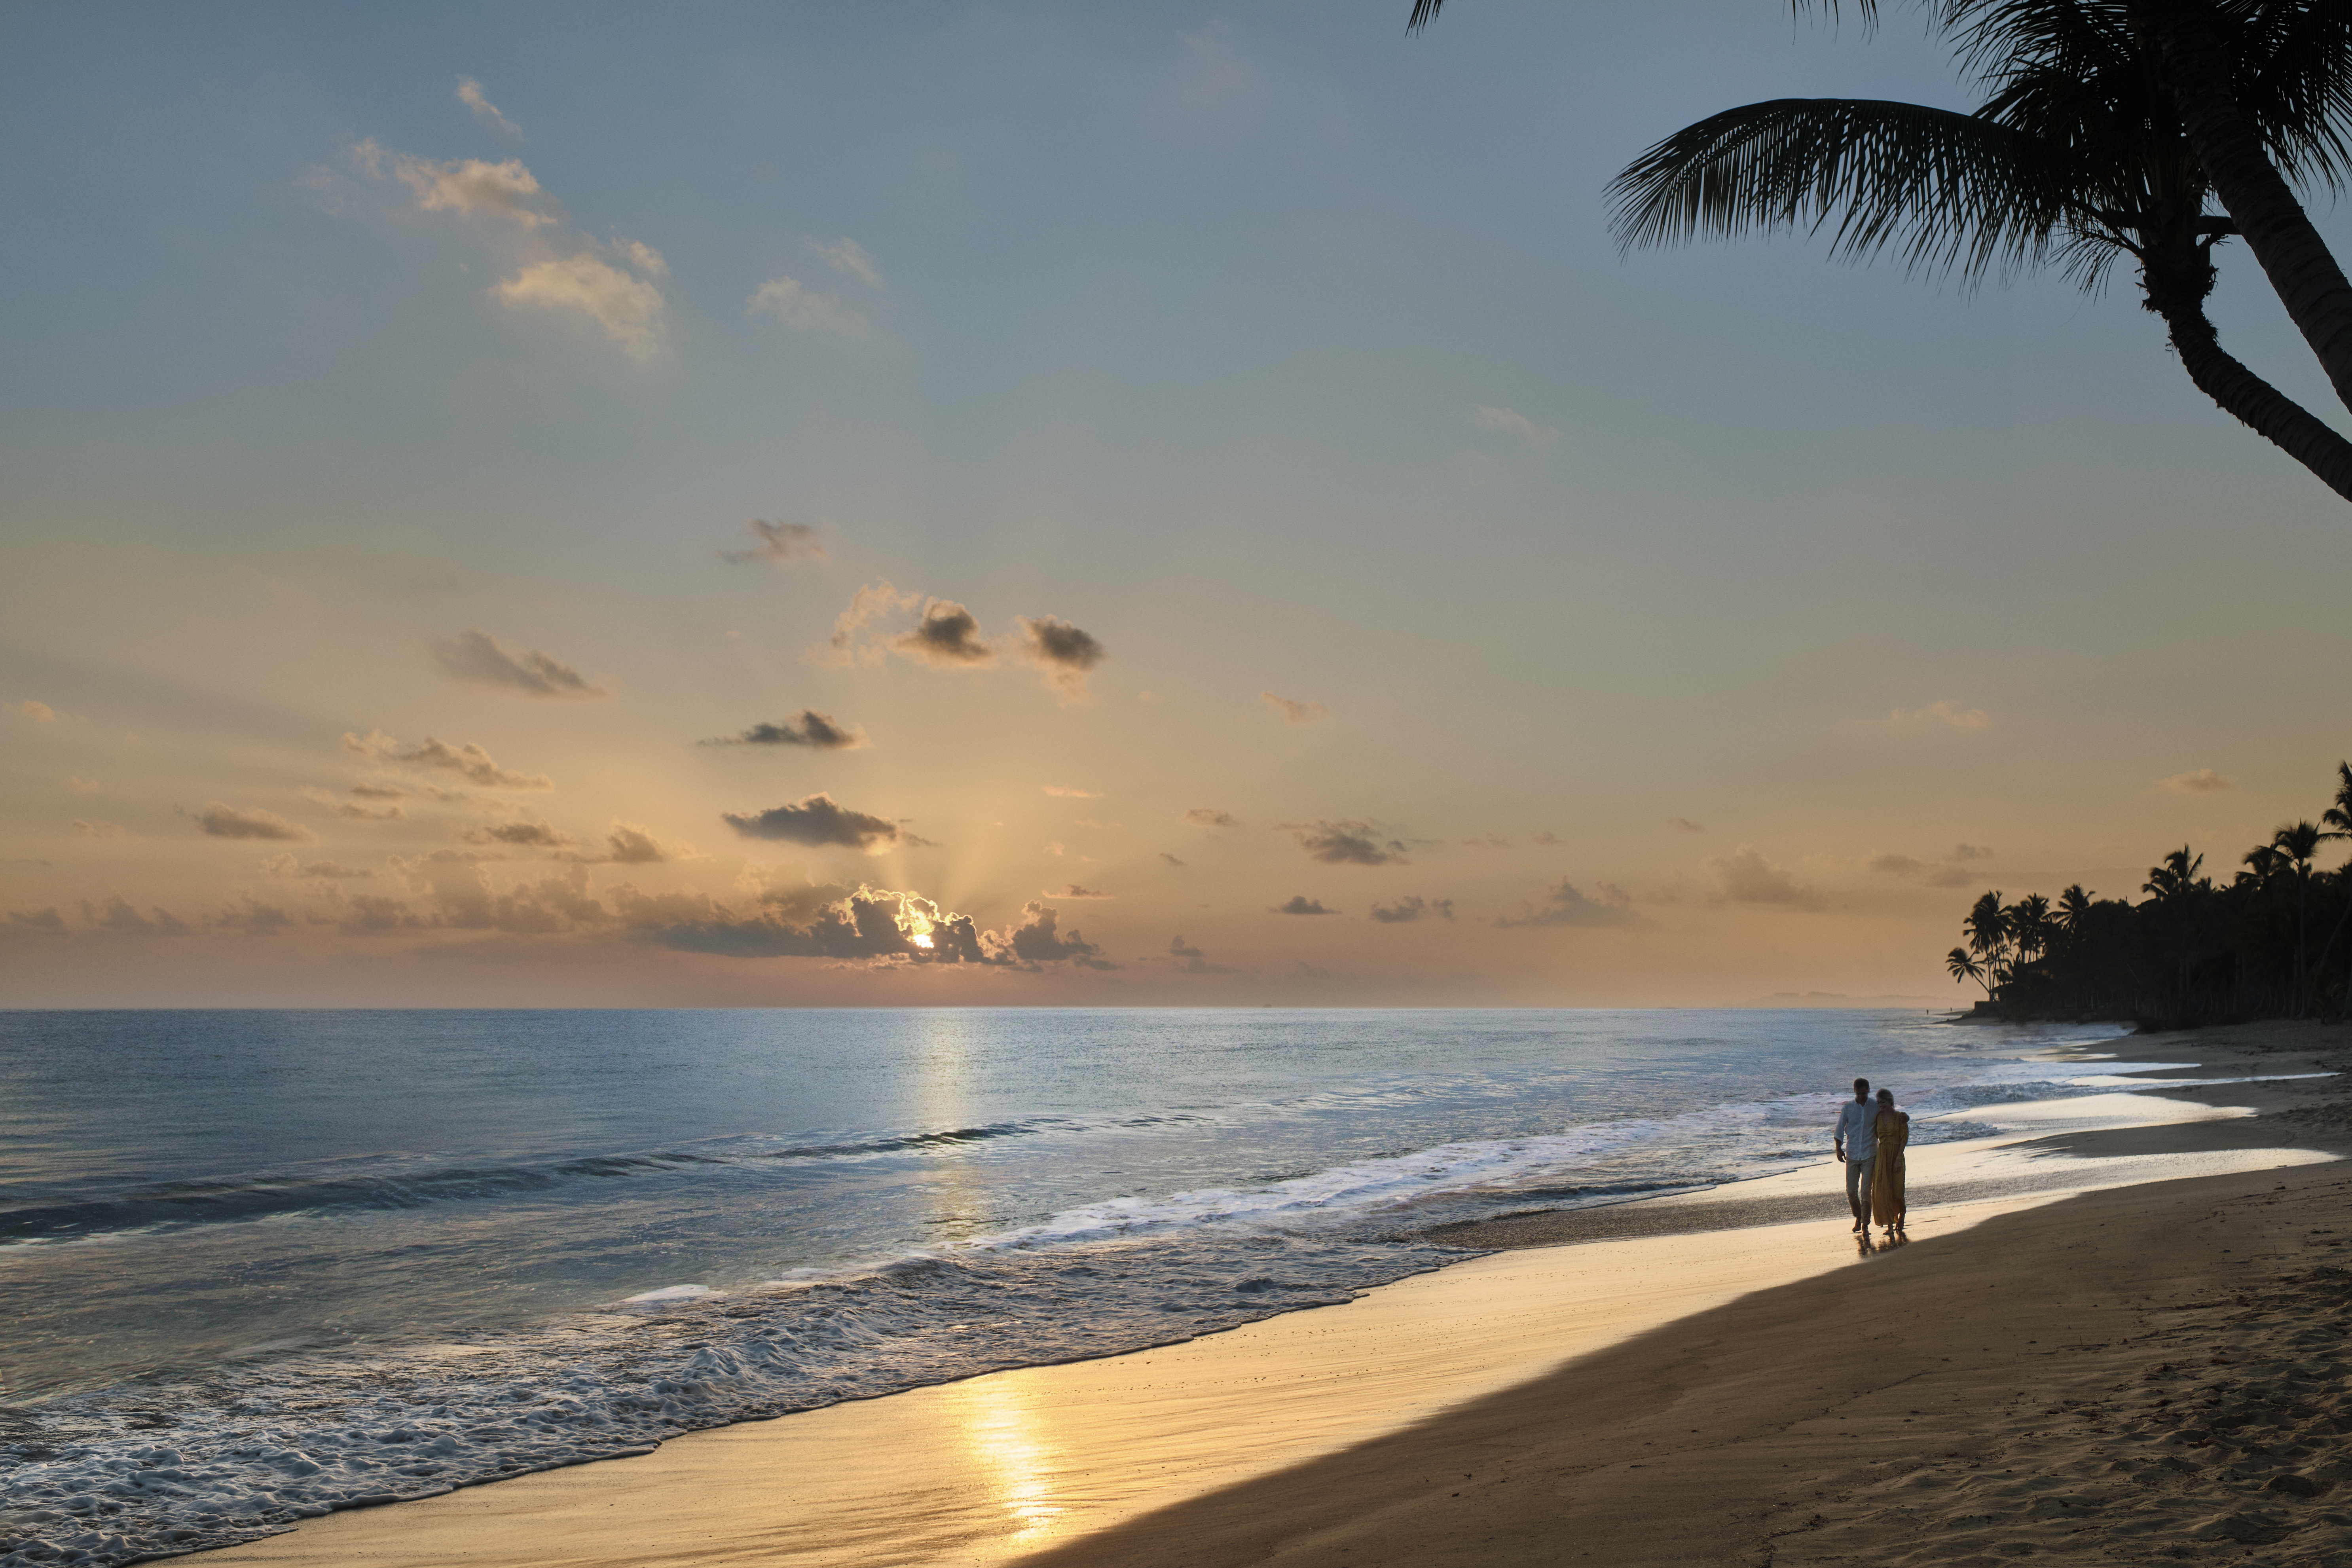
1005 1437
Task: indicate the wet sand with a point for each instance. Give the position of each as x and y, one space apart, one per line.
1675 1391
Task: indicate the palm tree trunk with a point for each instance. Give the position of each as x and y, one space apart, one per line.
2253 402
2302 271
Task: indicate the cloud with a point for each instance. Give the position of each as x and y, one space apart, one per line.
872 603
1072 791
460 897
630 309
1933 873
948 635
378 792
227 822
1300 904
820 731
469 760
1170 858
521 835
469 187
805 311
1036 940
285 868
1208 816
847 255
1942 712
1066 654
1407 910
469 93
1970 852
100 829
780 543
1747 878
1545 836
2204 781
1294 712
478 657
1191 960
34 923
1685 825
1487 841
1072 890
1511 422
38 712
627 844
817 821
569 273
250 915
117 917
83 787
1564 905
1345 843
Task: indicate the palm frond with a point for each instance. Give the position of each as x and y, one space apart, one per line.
1947 191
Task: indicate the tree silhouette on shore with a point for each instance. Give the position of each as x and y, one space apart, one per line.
2191 950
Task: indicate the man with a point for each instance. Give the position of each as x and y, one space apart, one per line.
1857 1146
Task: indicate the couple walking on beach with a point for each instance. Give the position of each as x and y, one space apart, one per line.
1870 1139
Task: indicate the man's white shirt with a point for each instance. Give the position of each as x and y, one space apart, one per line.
1857 1124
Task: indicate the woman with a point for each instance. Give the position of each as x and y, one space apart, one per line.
1893 1129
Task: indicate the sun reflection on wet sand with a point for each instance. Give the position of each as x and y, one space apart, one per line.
1004 1433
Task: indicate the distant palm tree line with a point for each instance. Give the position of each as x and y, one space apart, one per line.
2272 941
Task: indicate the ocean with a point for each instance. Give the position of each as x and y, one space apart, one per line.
258 1266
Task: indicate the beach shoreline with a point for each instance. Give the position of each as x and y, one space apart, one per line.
1150 1456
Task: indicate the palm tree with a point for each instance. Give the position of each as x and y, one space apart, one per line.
1986 927
2029 926
1964 967
2175 878
2074 911
2108 126
2339 817
2297 842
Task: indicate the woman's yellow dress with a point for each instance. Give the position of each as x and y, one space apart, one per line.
1894 1131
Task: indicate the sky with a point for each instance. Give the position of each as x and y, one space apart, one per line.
1070 505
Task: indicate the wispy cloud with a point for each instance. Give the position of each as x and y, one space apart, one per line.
1294 712
1300 904
1511 422
470 94
520 836
38 712
1943 711
1565 905
469 761
286 869
1191 960
627 844
608 283
1970 852
818 821
352 811
1345 843
1170 860
1412 908
818 731
1685 825
1072 791
99 829
1072 890
803 310
116 917
847 255
2204 781
779 543
1208 816
227 822
83 787
1933 873
477 656
1745 877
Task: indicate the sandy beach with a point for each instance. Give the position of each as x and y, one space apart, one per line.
2116 1333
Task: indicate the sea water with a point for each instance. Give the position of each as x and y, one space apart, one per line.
256 1266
